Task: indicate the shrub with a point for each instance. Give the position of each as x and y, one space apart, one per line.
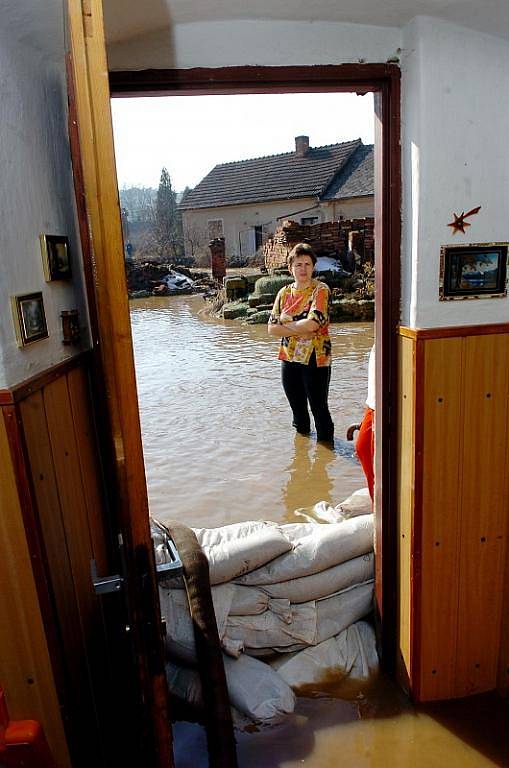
271 284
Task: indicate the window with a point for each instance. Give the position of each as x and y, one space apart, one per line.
258 236
307 220
215 228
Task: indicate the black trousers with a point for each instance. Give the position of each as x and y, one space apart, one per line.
305 384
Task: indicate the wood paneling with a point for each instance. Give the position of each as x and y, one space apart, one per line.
454 576
484 511
441 426
405 505
25 668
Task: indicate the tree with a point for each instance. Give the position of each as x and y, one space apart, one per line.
168 243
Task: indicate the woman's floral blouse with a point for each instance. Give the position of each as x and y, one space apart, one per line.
307 303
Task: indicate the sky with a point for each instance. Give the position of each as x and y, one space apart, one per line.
189 135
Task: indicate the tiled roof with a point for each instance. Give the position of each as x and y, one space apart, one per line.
356 178
276 177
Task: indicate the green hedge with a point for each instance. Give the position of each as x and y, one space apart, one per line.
271 284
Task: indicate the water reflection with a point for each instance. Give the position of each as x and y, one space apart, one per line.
308 471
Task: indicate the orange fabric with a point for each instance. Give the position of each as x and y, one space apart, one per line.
365 448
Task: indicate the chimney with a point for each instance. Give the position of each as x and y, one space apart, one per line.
301 145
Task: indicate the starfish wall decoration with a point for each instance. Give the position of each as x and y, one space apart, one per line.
459 224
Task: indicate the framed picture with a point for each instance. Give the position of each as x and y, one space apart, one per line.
29 318
55 257
474 271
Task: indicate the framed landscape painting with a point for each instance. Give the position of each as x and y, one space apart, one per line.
475 271
55 257
29 318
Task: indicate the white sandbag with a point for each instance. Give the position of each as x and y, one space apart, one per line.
352 653
315 548
251 601
257 691
254 689
336 613
236 549
268 630
359 503
179 626
322 584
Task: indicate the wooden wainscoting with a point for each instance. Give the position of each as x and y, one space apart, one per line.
454 507
26 672
56 510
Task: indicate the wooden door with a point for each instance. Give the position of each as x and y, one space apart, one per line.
115 395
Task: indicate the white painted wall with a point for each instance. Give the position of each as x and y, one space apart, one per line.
455 115
268 42
36 191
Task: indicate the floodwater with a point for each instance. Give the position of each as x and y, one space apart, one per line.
217 436
219 448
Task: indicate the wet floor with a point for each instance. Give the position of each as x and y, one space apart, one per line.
374 728
219 448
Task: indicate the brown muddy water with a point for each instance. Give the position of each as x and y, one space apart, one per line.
219 448
217 437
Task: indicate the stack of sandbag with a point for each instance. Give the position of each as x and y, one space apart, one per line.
279 589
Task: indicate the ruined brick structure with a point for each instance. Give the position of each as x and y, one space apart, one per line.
327 239
218 258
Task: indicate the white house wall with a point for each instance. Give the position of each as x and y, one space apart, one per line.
241 218
36 190
455 157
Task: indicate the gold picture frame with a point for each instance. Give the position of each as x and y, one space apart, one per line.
29 318
55 257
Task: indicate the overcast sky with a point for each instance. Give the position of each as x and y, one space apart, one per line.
191 134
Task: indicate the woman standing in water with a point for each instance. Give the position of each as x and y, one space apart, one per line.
300 317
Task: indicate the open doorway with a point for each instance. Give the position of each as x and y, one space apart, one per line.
218 443
387 309
383 82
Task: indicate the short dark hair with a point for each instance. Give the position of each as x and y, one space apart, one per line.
301 249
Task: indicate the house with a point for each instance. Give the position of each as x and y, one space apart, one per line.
245 201
73 501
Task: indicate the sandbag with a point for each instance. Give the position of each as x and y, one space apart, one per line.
251 601
351 653
322 584
179 626
241 547
336 613
359 503
254 688
315 548
268 630
257 691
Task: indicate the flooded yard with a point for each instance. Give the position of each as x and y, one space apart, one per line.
217 435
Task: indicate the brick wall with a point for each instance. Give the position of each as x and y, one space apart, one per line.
327 239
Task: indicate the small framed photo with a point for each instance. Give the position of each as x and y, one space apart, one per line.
474 271
29 318
55 257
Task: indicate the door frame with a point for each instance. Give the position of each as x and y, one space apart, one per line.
383 80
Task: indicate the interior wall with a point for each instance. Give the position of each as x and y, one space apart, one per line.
36 193
261 42
454 115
